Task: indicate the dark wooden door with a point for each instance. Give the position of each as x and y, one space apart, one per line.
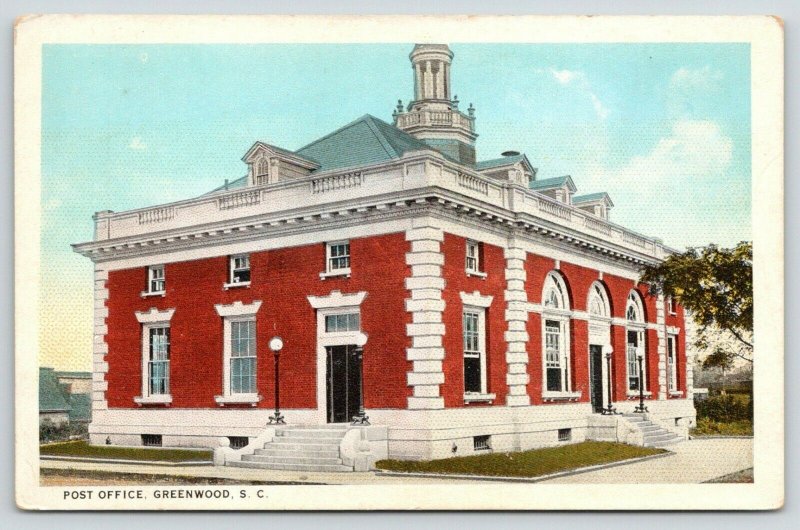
596 376
344 385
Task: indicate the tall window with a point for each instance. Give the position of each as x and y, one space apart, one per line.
243 357
338 256
634 314
556 361
240 269
474 329
156 282
158 363
473 256
555 334
671 305
672 363
598 302
262 171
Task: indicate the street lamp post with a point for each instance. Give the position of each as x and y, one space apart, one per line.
276 345
610 409
641 409
361 418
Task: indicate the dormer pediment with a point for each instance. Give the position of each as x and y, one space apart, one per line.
268 163
517 169
559 188
598 204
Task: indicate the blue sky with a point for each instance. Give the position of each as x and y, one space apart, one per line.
663 128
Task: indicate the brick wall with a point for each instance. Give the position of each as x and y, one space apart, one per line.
281 279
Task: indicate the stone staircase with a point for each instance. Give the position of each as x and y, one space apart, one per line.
654 435
299 448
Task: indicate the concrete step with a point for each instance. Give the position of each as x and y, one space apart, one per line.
671 441
293 467
659 437
311 433
293 460
270 450
649 428
297 440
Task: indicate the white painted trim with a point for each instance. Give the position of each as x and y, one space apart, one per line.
476 299
226 286
333 303
154 316
237 309
337 299
159 399
243 399
479 398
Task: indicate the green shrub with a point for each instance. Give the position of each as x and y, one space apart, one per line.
53 432
725 408
706 427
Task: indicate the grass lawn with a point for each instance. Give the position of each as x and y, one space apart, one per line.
532 463
82 448
706 427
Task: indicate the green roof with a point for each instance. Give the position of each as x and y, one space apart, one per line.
498 162
51 398
80 407
555 182
75 375
364 141
590 197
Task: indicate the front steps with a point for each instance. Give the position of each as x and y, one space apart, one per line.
653 435
297 448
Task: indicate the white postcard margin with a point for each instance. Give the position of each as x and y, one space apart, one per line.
765 36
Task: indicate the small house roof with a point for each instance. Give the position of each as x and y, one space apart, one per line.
552 183
51 398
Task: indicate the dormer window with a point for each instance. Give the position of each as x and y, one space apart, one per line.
156 282
240 270
262 171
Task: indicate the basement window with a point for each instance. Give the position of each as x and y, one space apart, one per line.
151 440
482 443
564 435
238 442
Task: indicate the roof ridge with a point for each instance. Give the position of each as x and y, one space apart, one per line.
340 129
370 121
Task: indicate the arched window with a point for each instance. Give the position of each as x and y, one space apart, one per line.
262 170
598 301
556 335
635 344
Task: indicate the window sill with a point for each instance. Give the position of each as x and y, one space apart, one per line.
635 395
331 274
145 294
560 396
238 399
227 286
479 398
160 399
673 313
479 274
675 393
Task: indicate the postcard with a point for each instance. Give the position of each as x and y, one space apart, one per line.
396 262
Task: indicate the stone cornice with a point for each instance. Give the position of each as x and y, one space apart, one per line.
429 200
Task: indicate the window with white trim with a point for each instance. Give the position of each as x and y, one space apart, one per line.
156 281
474 335
556 358
473 262
635 346
598 302
671 305
239 269
158 360
672 363
262 171
338 257
556 314
243 356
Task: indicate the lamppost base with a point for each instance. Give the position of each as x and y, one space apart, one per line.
361 419
277 419
610 411
640 409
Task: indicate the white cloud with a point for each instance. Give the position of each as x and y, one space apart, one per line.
695 79
137 144
580 81
694 148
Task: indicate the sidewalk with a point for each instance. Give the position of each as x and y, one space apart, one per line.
694 461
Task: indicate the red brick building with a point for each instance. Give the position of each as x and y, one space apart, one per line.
465 305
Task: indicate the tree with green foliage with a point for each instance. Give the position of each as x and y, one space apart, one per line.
721 359
716 286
